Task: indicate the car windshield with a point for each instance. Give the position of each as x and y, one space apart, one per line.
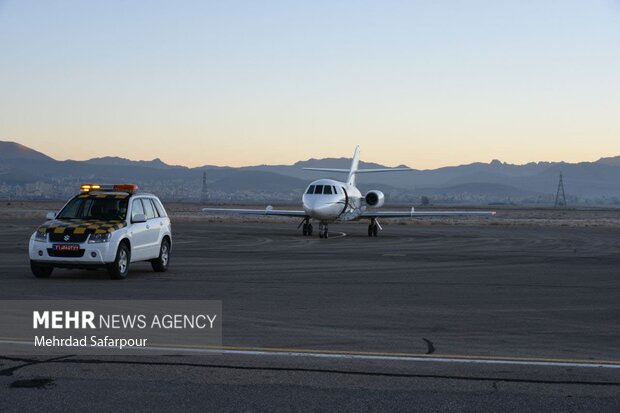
105 208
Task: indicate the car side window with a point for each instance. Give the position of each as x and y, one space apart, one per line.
136 208
149 210
157 214
159 207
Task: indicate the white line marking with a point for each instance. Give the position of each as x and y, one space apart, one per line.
413 358
353 356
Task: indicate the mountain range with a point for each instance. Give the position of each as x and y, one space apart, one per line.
26 173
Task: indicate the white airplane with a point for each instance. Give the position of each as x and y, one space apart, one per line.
327 201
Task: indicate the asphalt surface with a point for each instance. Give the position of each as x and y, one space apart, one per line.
457 300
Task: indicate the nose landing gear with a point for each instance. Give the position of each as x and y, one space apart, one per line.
307 228
323 230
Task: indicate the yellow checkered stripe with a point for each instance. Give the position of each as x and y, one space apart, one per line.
78 227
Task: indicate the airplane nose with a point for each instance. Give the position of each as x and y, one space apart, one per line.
316 208
310 206
312 202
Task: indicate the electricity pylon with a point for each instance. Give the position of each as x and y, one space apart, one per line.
560 196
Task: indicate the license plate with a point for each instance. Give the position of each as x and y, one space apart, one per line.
66 247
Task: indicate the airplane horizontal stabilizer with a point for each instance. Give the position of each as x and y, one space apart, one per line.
359 171
368 171
327 170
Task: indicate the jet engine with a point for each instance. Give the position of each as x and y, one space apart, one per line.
374 198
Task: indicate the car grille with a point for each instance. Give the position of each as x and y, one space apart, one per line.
65 254
72 237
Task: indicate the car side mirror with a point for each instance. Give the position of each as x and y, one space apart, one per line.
50 216
138 218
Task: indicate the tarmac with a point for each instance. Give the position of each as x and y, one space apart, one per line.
423 317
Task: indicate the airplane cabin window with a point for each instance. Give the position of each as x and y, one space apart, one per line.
327 189
318 189
335 189
310 189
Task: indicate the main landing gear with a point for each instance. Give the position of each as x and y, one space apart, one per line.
373 228
307 228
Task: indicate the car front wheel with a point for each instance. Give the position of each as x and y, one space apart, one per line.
120 267
41 270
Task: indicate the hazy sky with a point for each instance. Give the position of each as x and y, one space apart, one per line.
424 83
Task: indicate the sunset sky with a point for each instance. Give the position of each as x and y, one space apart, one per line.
422 83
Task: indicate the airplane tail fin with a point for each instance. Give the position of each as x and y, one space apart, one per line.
354 163
353 170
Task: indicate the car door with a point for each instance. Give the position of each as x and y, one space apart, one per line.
138 233
152 228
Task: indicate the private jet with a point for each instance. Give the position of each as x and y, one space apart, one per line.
328 200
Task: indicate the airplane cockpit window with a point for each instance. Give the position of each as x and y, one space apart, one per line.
322 189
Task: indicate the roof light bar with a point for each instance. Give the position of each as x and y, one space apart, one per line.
129 188
89 187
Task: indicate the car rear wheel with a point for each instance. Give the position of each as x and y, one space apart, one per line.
41 270
120 267
160 264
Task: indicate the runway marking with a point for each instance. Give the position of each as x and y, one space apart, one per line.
361 355
342 235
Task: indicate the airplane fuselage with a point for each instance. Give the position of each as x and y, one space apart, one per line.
328 200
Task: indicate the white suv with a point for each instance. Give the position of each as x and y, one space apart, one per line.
109 226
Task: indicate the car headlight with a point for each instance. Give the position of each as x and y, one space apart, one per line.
97 238
40 236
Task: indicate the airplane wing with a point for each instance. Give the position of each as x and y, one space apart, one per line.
266 211
413 214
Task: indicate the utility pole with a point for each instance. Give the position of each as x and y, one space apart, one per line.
560 196
204 195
